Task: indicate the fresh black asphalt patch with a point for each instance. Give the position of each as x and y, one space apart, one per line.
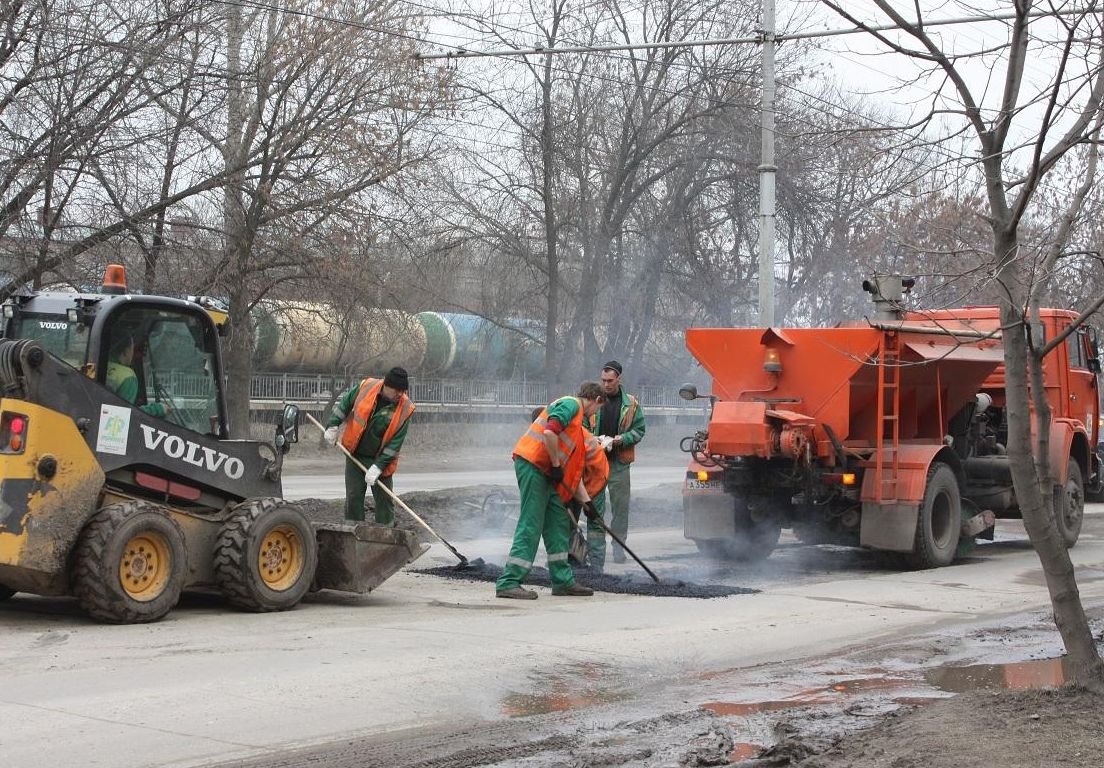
627 585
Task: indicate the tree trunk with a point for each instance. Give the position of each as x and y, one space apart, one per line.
1033 492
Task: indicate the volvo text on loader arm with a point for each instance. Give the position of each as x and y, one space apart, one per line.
120 482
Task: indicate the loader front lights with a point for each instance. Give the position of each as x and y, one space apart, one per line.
772 362
703 476
848 478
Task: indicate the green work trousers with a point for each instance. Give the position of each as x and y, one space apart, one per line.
618 487
542 515
355 489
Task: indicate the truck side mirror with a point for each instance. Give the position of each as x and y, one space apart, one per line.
688 392
287 428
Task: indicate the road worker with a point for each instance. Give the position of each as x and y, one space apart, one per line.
375 414
121 378
595 476
620 426
548 462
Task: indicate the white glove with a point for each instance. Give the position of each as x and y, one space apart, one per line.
331 435
372 475
606 442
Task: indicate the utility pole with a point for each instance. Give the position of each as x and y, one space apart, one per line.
767 170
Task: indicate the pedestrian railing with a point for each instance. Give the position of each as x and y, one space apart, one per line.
319 388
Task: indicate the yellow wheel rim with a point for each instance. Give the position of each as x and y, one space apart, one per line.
146 565
280 560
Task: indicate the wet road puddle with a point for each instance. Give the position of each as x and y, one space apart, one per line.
744 750
1019 675
908 690
574 686
811 696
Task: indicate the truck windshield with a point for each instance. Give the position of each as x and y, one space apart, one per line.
60 337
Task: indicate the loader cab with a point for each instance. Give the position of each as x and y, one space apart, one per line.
160 354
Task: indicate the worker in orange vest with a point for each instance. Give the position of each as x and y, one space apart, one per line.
596 470
376 415
548 462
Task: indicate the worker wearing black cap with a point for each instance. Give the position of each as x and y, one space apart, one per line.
619 426
376 414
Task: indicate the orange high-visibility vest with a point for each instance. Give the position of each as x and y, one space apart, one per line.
362 412
569 445
596 467
627 453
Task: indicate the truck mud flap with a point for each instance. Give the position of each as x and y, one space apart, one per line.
358 557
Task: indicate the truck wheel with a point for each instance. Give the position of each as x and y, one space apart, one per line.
266 556
129 563
1072 512
940 520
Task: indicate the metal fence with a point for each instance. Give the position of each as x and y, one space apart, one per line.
318 388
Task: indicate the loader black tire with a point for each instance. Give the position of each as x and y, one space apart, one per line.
1071 511
939 523
129 564
266 556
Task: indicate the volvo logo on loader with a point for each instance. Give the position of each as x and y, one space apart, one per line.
176 447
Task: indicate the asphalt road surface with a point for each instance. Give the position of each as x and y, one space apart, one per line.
425 666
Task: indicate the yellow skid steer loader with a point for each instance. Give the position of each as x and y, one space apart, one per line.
119 482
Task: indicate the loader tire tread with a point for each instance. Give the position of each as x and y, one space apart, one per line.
95 576
236 555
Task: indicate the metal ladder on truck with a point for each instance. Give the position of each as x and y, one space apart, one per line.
887 473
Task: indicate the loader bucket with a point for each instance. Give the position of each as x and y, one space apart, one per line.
358 557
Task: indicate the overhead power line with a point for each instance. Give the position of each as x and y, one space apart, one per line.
757 39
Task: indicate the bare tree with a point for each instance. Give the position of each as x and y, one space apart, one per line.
329 110
1020 140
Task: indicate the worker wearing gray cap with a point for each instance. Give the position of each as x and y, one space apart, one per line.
619 426
376 414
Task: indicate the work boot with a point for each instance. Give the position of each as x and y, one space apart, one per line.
618 555
572 590
517 593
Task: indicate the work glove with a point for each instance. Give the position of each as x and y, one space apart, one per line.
591 511
555 474
606 442
331 435
372 475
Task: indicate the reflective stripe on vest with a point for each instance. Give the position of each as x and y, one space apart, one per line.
361 413
530 446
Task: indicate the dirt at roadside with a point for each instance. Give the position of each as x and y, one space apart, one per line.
1010 729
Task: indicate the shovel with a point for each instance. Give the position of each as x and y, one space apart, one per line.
632 554
464 562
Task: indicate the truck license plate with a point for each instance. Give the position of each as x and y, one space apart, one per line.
693 484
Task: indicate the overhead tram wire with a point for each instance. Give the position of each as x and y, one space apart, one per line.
462 53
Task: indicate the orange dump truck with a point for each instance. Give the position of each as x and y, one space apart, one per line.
888 434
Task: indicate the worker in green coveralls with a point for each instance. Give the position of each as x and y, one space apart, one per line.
376 414
619 426
121 378
548 462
